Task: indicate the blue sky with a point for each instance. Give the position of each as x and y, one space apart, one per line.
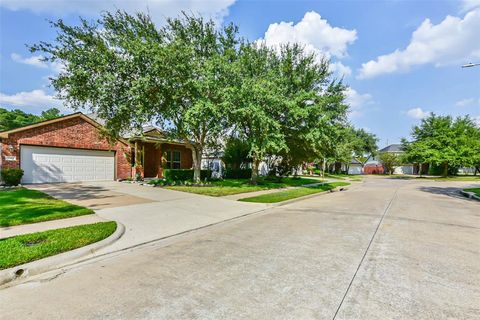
401 59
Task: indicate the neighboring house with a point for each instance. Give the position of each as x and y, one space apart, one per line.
154 153
354 167
212 160
72 149
406 168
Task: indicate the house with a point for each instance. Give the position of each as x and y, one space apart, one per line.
72 148
406 168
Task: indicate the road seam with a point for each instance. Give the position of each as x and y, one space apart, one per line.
365 253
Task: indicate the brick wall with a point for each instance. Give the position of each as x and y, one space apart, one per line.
186 159
69 133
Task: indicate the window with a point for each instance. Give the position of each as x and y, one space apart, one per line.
173 159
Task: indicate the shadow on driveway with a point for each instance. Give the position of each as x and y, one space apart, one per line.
446 191
90 196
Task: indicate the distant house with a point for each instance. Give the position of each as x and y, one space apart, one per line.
354 167
406 168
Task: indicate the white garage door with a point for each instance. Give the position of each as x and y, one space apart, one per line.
46 164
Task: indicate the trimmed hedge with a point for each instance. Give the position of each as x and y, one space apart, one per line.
185 174
11 176
238 173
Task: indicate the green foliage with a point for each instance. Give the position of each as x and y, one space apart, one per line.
130 72
365 145
389 160
445 142
50 114
21 206
11 176
185 174
236 154
26 248
238 173
17 118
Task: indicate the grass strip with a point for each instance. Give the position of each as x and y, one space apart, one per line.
293 193
29 247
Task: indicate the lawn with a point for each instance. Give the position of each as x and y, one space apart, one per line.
474 190
294 193
458 178
342 176
234 186
25 248
20 206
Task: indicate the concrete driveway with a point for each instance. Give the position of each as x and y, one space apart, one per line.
386 249
148 213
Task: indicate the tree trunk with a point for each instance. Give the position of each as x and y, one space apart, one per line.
197 162
255 164
324 163
445 170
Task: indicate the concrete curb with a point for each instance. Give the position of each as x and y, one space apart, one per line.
336 189
470 195
53 262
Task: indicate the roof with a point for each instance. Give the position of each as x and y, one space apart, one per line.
86 118
392 148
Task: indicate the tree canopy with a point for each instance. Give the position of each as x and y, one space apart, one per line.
11 119
199 82
444 141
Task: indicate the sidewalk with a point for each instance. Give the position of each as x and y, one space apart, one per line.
6 232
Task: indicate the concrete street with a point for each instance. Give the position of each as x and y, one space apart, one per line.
385 249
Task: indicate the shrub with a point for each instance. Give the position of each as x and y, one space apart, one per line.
205 175
178 174
12 176
238 173
185 174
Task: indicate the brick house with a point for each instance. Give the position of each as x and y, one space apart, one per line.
72 148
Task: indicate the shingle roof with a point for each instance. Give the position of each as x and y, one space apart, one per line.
392 148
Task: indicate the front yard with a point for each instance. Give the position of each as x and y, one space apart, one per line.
21 206
26 248
235 186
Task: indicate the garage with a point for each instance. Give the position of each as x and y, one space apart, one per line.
47 164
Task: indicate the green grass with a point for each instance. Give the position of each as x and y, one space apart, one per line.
342 176
25 248
21 206
293 193
457 178
234 186
474 190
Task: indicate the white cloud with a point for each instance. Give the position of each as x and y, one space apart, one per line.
417 113
466 102
451 42
317 36
35 61
340 69
158 9
32 99
357 101
468 5
315 33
